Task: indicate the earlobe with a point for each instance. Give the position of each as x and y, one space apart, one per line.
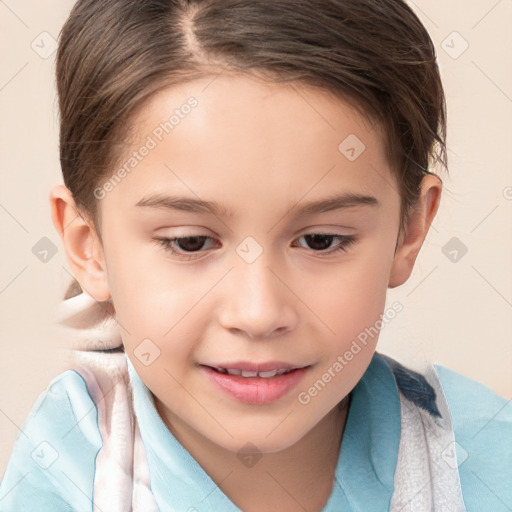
421 215
84 251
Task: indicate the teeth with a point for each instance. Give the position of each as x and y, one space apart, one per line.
266 375
248 373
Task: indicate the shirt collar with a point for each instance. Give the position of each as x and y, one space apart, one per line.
364 477
364 471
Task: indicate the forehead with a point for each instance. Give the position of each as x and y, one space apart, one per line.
268 114
247 140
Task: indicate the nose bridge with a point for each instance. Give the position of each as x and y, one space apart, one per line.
257 302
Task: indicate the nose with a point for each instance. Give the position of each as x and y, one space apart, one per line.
258 302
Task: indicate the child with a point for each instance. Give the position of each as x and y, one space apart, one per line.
223 360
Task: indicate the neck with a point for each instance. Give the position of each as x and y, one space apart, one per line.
299 477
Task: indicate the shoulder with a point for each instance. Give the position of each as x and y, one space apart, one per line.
482 428
482 424
53 458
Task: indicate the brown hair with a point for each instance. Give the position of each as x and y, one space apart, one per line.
114 54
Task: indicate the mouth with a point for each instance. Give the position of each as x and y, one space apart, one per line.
251 373
255 384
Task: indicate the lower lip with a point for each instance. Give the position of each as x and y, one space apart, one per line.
255 390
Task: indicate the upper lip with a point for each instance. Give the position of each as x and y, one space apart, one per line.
248 366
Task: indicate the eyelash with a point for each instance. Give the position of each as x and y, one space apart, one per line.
169 244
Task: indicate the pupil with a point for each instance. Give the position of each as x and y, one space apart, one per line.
197 243
317 238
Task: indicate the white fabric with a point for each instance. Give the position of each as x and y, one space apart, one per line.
121 481
426 476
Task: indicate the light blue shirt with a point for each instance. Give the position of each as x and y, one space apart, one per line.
52 465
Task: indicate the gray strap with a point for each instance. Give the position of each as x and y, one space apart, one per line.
426 476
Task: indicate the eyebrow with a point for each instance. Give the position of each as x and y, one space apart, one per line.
189 204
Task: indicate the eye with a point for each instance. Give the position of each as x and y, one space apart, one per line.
191 247
321 242
183 245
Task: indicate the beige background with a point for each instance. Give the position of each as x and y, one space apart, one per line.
456 313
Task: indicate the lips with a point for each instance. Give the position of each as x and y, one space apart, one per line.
255 384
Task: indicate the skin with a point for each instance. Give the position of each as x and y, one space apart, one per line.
258 148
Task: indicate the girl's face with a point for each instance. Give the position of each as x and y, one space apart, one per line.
278 265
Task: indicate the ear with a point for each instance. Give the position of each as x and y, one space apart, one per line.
421 215
84 251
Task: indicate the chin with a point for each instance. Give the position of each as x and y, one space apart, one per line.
266 438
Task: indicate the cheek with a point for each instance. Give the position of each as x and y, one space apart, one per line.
147 291
354 297
152 302
352 307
